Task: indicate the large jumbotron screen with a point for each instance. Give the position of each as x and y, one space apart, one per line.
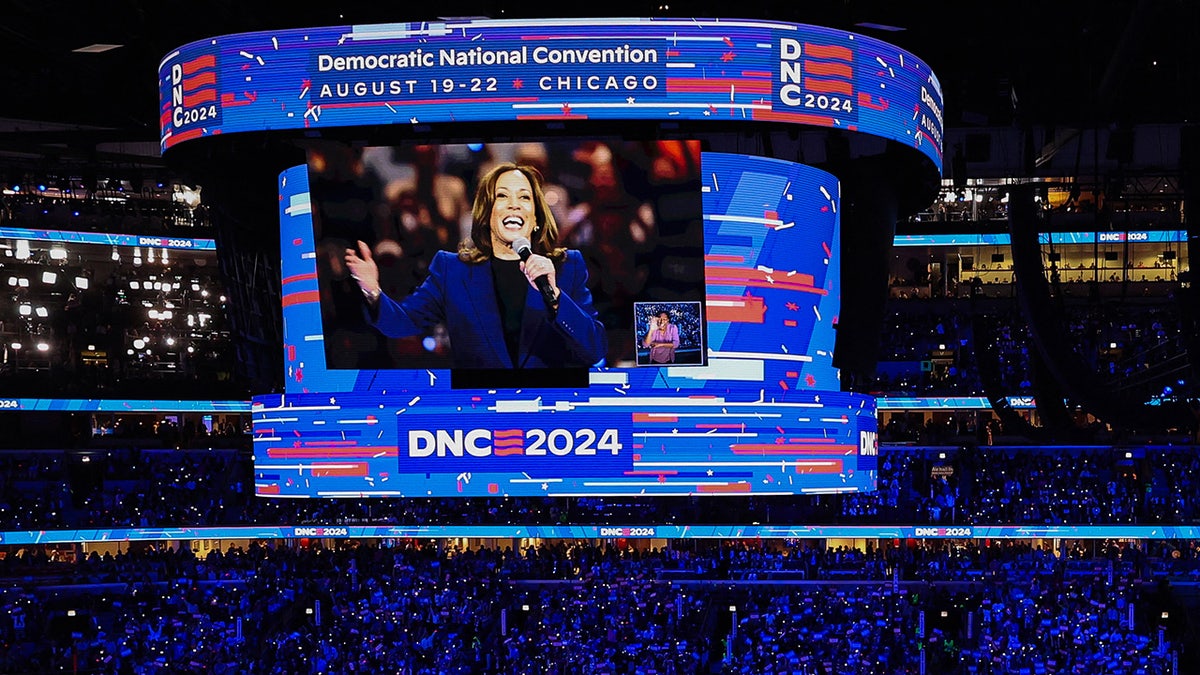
741 252
738 253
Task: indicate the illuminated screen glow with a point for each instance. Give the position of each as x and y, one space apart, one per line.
631 210
761 416
553 70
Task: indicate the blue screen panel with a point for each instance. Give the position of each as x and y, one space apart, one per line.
761 414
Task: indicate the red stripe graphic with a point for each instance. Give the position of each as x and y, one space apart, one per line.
507 433
268 490
720 257
230 100
828 86
300 298
741 309
646 417
299 277
199 81
734 276
355 469
731 487
326 453
828 52
505 452
199 98
758 73
697 84
829 69
199 63
831 466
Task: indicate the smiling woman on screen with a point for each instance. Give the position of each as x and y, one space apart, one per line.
488 295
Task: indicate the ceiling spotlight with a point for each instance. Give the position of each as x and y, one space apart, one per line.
49 277
43 347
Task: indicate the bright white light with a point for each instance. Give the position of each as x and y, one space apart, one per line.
164 256
115 255
191 320
43 347
42 312
12 281
22 249
91 348
137 262
129 352
170 342
23 282
153 314
81 283
149 254
195 287
166 315
49 277
204 294
58 254
222 298
16 346
134 285
191 349
25 310
139 343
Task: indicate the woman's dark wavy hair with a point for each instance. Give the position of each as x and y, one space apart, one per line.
545 237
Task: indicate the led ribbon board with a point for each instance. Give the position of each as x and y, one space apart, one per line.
645 531
550 69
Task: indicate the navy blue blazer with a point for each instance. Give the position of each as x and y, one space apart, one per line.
463 297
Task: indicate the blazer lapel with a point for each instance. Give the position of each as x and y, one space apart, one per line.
533 321
480 292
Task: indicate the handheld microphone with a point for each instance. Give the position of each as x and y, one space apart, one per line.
524 249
